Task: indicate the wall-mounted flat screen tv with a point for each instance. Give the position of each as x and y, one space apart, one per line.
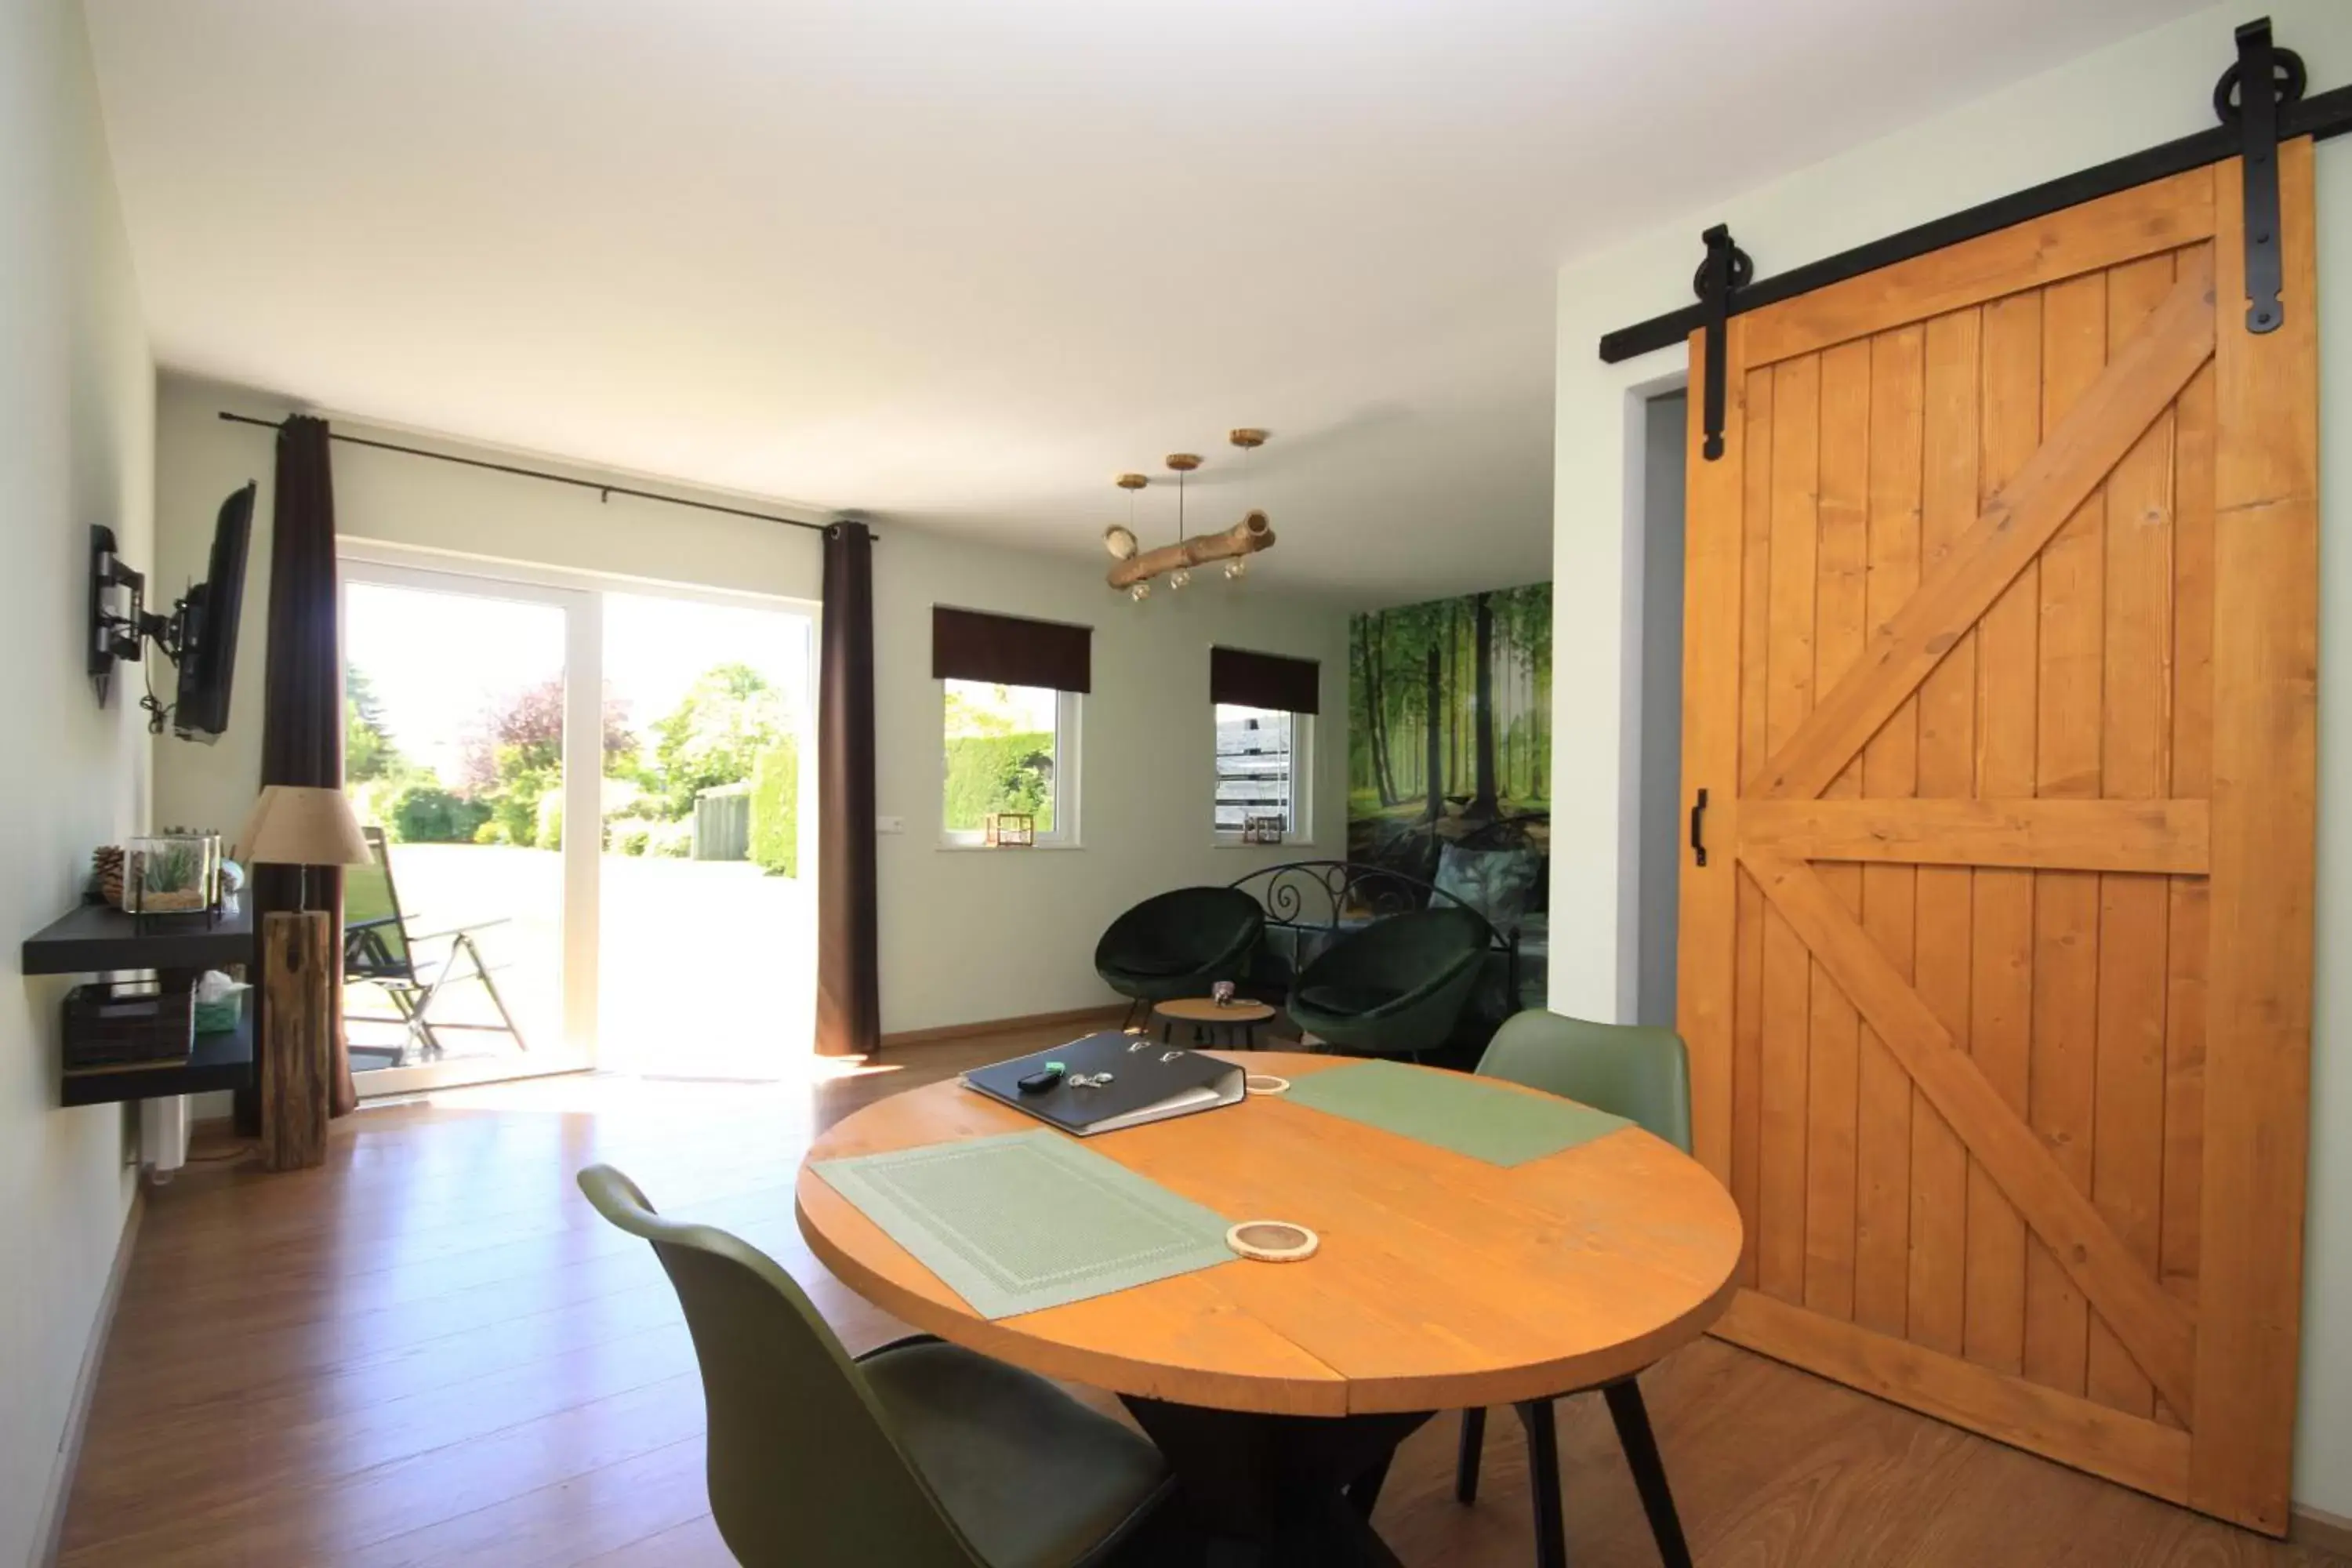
208 627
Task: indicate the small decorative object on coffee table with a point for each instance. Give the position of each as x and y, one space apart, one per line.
1222 993
1012 830
1214 1022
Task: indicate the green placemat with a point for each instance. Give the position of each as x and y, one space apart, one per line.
1024 1221
1485 1120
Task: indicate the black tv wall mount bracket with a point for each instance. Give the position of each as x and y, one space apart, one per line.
120 621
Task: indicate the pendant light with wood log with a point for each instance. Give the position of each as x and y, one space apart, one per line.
1136 567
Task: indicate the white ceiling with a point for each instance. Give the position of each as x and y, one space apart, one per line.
959 263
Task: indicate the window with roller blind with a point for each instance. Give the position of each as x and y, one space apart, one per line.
1010 693
1264 707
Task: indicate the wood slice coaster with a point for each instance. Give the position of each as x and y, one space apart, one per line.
1265 1083
1273 1241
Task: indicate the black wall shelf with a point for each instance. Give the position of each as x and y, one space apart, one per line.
218 1061
97 938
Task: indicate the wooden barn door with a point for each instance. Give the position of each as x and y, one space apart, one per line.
1999 676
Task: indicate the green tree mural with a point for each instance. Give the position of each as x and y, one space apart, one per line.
1450 710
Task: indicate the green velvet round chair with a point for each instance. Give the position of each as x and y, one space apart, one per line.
917 1455
1397 986
1642 1074
1178 944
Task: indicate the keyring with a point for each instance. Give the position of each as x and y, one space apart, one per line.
1265 1083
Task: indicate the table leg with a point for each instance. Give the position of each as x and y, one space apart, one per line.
1279 1491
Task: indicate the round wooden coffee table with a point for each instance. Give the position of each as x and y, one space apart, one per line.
1442 1283
1234 1024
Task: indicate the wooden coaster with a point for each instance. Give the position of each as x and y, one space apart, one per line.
1272 1240
1265 1083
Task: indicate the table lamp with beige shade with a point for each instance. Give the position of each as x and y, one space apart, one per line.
295 825
298 825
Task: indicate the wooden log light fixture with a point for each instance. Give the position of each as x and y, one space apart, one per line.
1233 546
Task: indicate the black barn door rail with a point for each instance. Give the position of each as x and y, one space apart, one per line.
2241 133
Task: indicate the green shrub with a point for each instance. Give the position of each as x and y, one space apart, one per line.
776 810
1000 772
427 814
549 828
671 840
630 835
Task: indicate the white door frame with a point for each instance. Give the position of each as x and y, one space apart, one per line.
583 629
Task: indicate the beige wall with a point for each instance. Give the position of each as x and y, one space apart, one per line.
76 428
2148 88
966 935
975 934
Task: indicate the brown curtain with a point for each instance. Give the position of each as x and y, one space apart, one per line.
848 966
302 707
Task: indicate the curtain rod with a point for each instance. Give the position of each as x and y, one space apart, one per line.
604 490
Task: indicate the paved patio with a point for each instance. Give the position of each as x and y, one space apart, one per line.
706 967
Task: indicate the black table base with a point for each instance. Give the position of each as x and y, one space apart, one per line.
1279 1491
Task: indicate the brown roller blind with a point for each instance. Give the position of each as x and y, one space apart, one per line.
972 645
1263 680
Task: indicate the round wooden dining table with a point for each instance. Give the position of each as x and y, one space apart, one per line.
1278 1390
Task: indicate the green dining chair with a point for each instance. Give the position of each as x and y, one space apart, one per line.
1642 1074
918 1455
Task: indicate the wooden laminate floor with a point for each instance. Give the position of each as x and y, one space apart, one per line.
432 1351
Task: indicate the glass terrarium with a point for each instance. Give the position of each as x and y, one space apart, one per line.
171 874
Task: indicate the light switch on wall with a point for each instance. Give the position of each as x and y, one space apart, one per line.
889 825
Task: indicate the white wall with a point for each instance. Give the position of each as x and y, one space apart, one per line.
2145 89
76 429
965 936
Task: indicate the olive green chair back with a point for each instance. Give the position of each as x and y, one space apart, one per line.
803 1471
1639 1073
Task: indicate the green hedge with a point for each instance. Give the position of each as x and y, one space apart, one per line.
427 814
999 773
776 810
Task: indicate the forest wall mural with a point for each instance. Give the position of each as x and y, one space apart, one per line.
1449 734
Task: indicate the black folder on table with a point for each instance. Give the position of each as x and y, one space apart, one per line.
1150 1082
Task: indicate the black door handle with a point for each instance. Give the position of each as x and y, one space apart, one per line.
1699 829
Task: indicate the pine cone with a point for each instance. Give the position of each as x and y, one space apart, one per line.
105 865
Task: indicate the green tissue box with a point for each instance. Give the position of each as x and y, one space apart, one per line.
223 1017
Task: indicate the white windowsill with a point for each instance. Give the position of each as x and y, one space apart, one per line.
1226 841
956 847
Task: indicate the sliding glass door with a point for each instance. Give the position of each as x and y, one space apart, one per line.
594 806
472 717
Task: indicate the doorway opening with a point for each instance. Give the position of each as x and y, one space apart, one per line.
592 822
1658 855
709 911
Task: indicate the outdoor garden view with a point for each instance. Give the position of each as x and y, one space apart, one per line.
453 745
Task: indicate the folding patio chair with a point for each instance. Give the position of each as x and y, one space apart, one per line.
379 950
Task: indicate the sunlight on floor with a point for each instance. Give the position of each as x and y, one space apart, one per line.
602 1092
